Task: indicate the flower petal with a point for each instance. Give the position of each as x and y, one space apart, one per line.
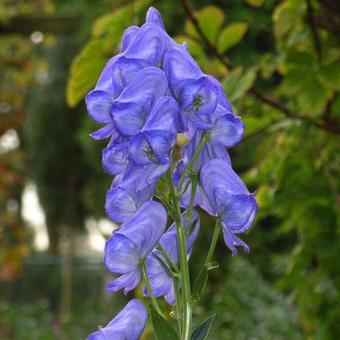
239 212
227 130
128 37
128 281
120 254
150 44
128 118
161 143
179 65
164 116
153 16
115 158
124 70
104 132
140 151
145 227
99 105
232 242
129 323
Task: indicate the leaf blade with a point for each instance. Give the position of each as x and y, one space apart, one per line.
202 331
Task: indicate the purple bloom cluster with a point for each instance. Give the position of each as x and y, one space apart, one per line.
147 94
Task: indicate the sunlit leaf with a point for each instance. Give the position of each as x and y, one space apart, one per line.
119 18
210 20
312 97
236 83
85 71
256 3
231 35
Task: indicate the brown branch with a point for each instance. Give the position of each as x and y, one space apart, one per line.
265 98
316 39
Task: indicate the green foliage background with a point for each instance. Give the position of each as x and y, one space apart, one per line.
279 64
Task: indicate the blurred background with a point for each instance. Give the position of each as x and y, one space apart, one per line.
279 64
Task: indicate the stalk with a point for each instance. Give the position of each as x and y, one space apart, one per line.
183 261
213 242
148 287
188 169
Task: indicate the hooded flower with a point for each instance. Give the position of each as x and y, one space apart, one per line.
229 199
131 109
140 48
133 241
129 323
160 280
150 150
124 198
202 100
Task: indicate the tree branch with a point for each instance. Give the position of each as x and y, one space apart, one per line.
265 98
316 39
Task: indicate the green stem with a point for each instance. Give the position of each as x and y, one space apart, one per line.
171 264
149 289
194 182
213 242
178 306
188 169
183 262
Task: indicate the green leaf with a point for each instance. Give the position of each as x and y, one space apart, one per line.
162 328
231 35
294 80
210 20
85 71
329 76
200 283
236 83
119 18
255 3
312 97
202 331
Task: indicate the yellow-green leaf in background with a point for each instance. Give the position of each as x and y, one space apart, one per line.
312 97
237 83
120 17
255 3
231 35
210 20
85 70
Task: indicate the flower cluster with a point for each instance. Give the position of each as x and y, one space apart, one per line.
146 95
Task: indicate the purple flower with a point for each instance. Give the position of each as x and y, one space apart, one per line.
210 151
131 109
150 44
133 241
195 92
160 280
153 16
129 323
125 198
229 199
150 150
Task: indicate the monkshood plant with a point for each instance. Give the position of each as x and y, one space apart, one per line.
149 93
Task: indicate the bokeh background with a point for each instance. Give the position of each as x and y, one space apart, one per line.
279 64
